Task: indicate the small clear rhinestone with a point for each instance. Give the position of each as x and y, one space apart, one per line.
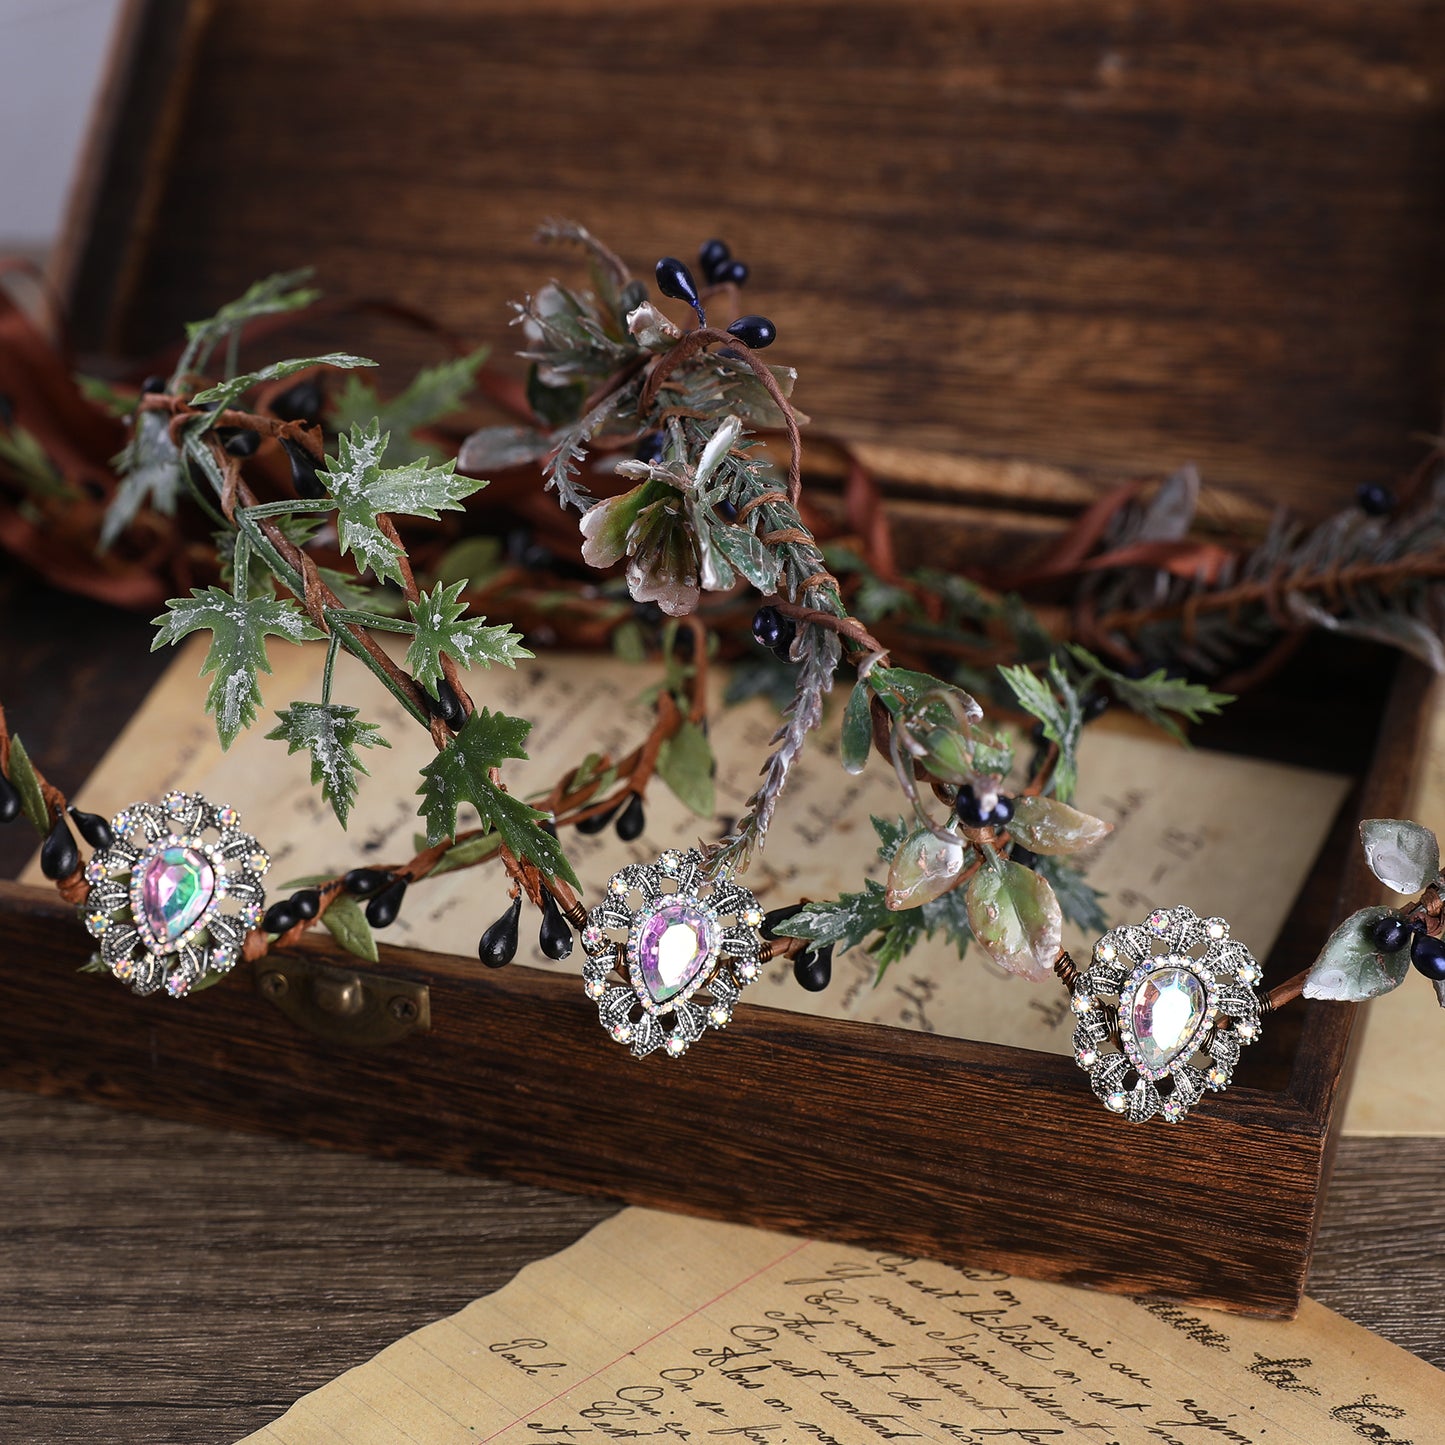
1105 952
1157 923
1118 1101
1081 1003
1173 1110
596 987
676 1045
718 1016
1087 1058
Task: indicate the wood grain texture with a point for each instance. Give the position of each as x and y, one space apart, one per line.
1103 236
290 1265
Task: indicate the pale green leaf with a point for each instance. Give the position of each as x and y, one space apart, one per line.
239 629
271 296
1045 825
331 733
434 392
500 448
219 398
1016 918
857 738
345 919
441 627
1055 703
22 456
149 466
924 867
473 560
1404 856
750 555
1351 968
22 774
686 764
463 855
1160 698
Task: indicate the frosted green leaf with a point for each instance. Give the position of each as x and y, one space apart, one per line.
499 448
280 292
463 855
331 733
685 763
238 647
1351 968
857 738
461 773
1055 703
346 921
750 556
1015 916
24 458
1045 825
923 868
362 489
150 470
22 774
441 628
218 398
1404 856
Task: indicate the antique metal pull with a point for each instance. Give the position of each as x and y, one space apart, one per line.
365 1010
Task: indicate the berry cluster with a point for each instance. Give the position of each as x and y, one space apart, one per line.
674 279
1390 934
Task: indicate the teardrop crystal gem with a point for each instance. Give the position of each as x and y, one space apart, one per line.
676 943
176 889
1168 1010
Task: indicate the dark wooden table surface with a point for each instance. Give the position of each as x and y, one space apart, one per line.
166 1283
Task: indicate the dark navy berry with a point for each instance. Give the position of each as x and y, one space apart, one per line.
1390 933
363 882
734 272
10 803
1003 810
238 440
59 857
446 704
305 470
498 945
554 937
755 332
93 828
814 969
971 813
1428 955
651 447
306 903
280 917
727 511
300 402
1096 704
632 819
712 256
772 629
1023 857
774 916
675 280
598 821
1375 500
153 384
381 911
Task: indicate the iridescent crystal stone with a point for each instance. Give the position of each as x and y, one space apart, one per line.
1168 1010
176 888
674 945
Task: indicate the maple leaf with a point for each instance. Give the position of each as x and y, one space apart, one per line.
461 773
363 489
331 733
440 627
435 392
238 629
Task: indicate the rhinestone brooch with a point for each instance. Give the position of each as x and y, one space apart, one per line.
171 900
661 939
1163 1011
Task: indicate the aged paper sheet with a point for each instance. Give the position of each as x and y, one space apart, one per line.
658 1327
1175 812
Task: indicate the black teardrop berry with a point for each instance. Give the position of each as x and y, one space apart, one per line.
554 937
727 511
153 384
1023 857
1096 704
598 821
1390 933
300 402
632 820
814 969
93 828
1428 955
59 857
381 911
733 273
498 945
755 332
712 257
446 704
772 629
1375 500
675 280
774 916
280 917
10 801
306 903
240 441
363 882
305 470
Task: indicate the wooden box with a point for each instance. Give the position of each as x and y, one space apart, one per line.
1019 249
